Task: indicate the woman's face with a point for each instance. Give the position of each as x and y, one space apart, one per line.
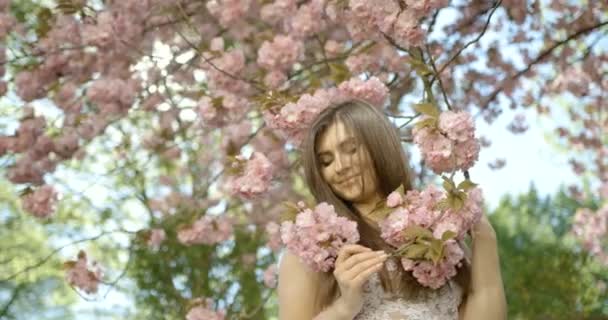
346 165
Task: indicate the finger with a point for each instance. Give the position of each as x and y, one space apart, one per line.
363 276
349 250
362 266
359 258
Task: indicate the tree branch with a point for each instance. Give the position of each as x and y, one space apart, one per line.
540 58
483 31
45 259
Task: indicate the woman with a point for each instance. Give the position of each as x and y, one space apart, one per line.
353 159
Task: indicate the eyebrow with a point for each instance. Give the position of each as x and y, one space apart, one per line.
342 143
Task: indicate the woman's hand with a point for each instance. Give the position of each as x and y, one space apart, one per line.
354 265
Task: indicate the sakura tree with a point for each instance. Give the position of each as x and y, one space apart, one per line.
173 127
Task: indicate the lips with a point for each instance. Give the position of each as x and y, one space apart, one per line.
348 179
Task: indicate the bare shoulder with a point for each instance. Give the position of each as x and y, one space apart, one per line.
297 288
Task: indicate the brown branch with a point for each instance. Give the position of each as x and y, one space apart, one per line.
13 298
46 259
483 31
436 76
540 58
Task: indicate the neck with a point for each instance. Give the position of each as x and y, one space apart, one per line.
367 206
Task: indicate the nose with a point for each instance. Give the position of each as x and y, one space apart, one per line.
342 165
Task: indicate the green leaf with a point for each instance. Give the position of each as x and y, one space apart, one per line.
416 251
68 7
427 122
456 202
436 251
421 68
427 108
291 211
466 185
414 232
448 184
401 190
44 18
442 205
339 72
447 235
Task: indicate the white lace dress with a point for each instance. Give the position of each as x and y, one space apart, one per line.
379 305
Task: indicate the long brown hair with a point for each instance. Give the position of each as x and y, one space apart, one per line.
381 138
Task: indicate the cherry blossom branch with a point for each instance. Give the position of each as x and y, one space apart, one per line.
540 58
50 255
113 283
483 31
337 58
436 76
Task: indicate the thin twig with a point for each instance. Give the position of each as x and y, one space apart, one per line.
483 31
436 75
540 58
45 259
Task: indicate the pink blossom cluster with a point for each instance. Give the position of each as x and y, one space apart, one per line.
420 208
206 230
308 20
375 18
36 147
317 235
113 95
228 12
40 202
79 274
372 90
451 145
156 237
227 113
436 275
280 53
270 276
255 178
591 228
294 118
224 71
203 310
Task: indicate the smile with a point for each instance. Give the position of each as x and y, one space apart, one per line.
348 180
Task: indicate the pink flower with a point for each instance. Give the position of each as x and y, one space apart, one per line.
206 230
373 90
317 235
204 311
275 79
308 20
79 275
591 228
270 276
420 208
156 237
41 202
273 232
450 146
394 199
228 12
280 54
67 144
231 64
458 126
255 179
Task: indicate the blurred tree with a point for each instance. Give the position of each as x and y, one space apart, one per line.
546 275
41 293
